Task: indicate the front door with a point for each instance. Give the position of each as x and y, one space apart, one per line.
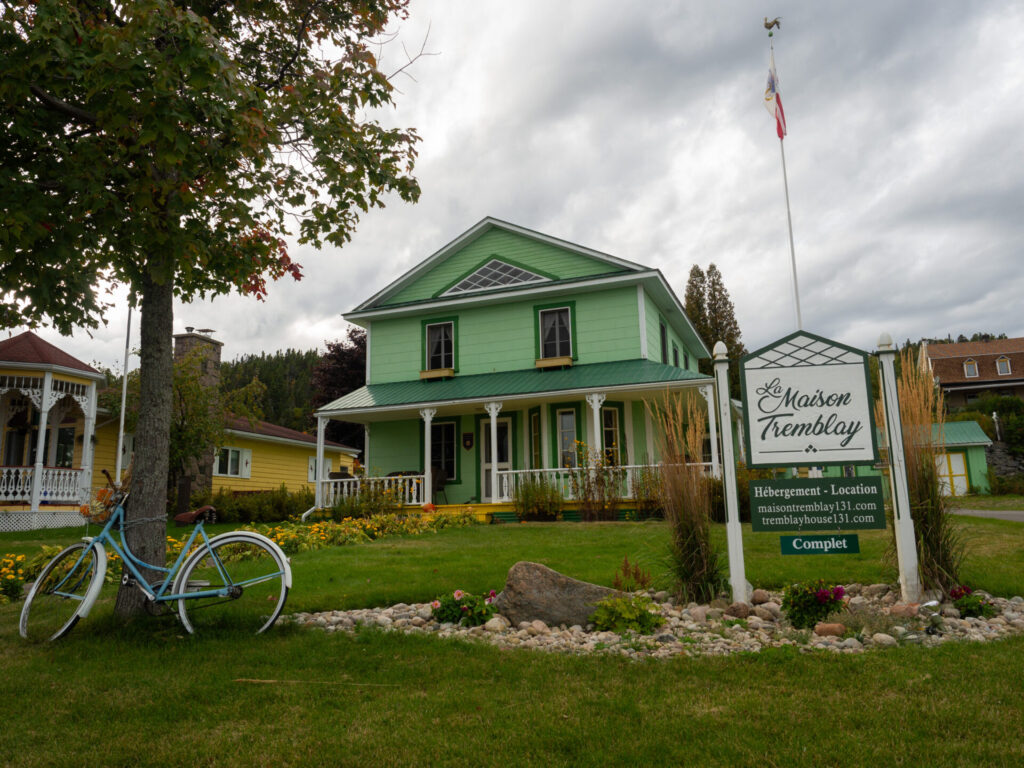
504 453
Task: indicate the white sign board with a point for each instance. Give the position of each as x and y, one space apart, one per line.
807 402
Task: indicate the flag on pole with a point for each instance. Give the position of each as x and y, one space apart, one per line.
772 97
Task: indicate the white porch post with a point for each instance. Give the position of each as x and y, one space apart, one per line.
709 395
89 430
906 541
428 415
595 401
733 531
545 436
493 409
44 412
321 428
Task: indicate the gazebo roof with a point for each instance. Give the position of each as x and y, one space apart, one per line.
27 348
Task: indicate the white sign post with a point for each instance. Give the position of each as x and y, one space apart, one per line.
733 531
906 542
807 402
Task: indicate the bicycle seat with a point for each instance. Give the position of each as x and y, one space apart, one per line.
188 518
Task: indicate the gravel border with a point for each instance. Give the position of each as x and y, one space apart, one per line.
874 617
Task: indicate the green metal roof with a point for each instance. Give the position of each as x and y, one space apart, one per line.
960 433
620 373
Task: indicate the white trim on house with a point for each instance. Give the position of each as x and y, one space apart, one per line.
60 369
1009 369
974 364
474 233
641 309
661 294
655 386
288 441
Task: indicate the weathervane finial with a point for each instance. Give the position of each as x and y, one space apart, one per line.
773 23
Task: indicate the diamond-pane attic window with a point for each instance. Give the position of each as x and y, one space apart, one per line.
495 274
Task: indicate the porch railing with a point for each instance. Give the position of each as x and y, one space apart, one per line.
57 485
406 489
631 478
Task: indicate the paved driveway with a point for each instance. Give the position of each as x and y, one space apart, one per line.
1017 515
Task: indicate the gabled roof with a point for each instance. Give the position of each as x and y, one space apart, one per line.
277 433
947 362
960 434
486 225
621 374
28 349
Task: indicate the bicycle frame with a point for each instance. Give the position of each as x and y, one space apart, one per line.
163 590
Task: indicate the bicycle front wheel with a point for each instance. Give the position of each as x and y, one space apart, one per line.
63 592
240 582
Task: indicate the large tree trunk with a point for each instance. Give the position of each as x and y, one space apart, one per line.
148 499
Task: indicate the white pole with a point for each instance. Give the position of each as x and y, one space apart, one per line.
906 543
427 414
318 478
792 250
493 409
124 398
733 531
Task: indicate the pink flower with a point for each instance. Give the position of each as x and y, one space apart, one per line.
493 594
458 594
489 600
436 604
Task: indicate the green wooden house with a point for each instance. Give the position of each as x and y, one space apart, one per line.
499 356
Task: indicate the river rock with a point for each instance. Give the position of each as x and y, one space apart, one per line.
738 610
534 592
875 590
907 610
883 640
759 596
825 629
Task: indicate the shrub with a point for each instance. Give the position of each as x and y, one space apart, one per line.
631 577
463 608
1005 484
597 484
372 498
646 494
257 506
807 604
695 565
537 498
630 612
970 604
12 577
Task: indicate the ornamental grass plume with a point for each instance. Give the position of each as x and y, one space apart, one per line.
695 565
940 549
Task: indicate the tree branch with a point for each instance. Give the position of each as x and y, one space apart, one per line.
56 105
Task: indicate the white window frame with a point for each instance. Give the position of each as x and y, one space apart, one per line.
311 468
970 365
451 351
540 319
244 462
559 435
1003 359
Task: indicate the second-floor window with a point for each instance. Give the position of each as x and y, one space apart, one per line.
971 369
440 346
663 331
675 355
1003 366
555 332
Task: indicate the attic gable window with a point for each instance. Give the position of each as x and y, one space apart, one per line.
495 274
971 369
1003 366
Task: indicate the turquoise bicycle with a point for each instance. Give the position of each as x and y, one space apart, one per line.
238 579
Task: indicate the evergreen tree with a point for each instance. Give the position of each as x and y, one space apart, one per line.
695 303
287 375
722 325
340 371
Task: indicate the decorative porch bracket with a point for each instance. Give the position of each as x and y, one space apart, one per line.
427 414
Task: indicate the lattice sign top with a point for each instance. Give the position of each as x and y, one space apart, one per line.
807 402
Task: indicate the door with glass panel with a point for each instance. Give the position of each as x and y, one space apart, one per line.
504 457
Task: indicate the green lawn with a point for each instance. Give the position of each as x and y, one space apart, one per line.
149 695
1006 502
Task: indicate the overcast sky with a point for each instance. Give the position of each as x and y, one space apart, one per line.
638 129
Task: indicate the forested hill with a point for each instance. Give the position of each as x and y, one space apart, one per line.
288 377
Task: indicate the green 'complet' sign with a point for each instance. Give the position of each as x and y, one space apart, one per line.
817 504
836 544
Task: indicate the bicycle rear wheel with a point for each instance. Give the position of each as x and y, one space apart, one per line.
247 578
63 592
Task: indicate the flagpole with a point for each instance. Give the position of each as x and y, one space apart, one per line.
792 250
780 120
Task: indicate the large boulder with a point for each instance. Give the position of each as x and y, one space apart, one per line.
535 592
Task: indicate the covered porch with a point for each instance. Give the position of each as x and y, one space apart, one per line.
477 439
47 425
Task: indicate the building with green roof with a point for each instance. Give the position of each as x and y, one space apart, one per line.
504 354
